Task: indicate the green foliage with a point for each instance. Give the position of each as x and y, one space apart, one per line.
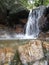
35 4
24 2
41 2
10 3
46 2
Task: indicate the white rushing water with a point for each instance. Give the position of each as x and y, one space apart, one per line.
32 28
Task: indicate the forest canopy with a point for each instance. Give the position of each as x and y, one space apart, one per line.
30 4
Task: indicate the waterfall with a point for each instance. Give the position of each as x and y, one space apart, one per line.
32 28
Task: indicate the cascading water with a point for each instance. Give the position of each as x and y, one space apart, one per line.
32 28
32 24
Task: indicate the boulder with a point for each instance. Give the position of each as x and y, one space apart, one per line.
6 55
44 20
26 50
30 51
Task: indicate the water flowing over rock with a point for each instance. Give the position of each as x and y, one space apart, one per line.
32 27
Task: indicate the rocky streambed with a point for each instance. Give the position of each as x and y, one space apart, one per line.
24 52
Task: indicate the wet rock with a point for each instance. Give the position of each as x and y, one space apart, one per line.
19 29
30 51
46 49
46 46
18 18
13 13
47 34
44 21
24 21
41 62
43 35
2 55
9 55
27 48
6 55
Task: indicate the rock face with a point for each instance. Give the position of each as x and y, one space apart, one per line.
12 18
19 29
44 20
13 13
24 52
30 52
6 55
43 35
44 24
